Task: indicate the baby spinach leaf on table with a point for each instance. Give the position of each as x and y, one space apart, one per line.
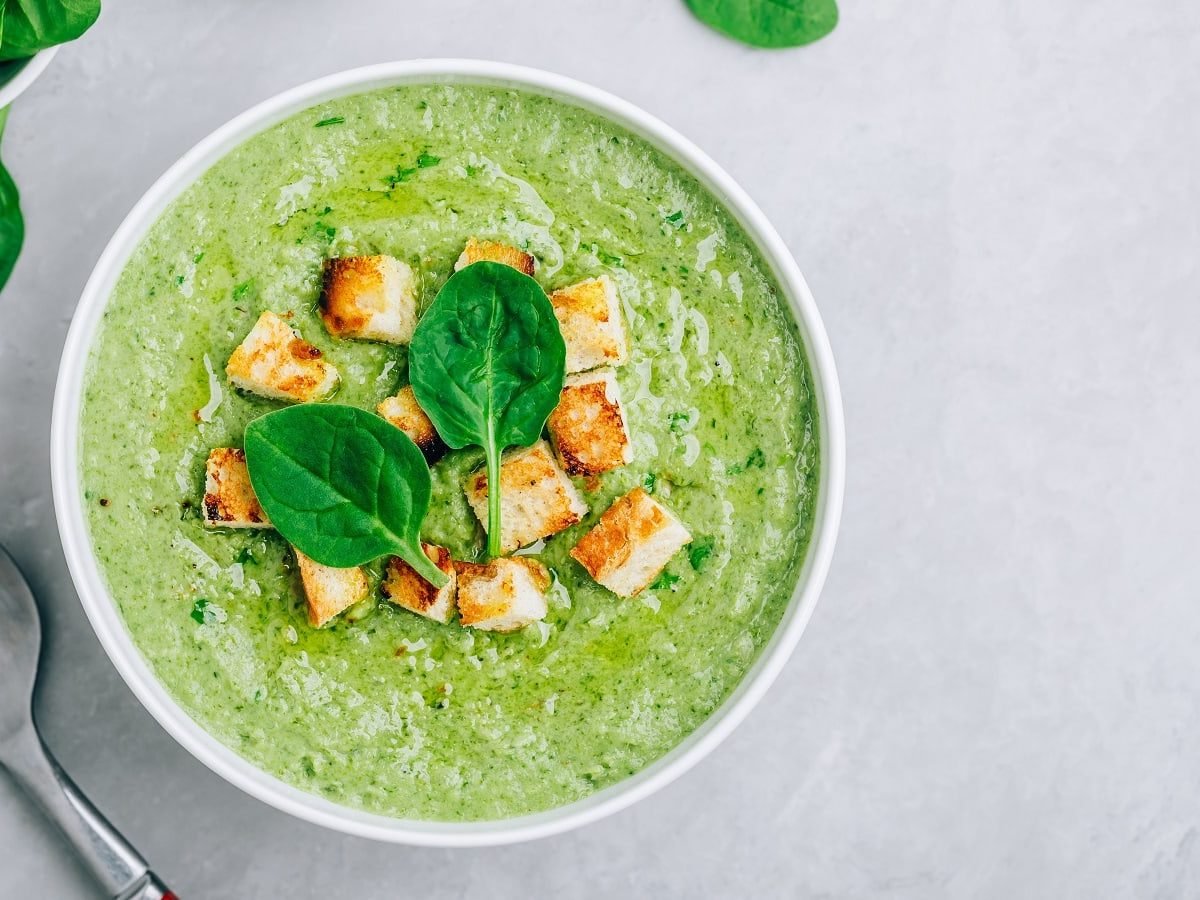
33 25
342 485
12 224
769 23
487 363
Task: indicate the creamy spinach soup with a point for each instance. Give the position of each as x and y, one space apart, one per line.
383 709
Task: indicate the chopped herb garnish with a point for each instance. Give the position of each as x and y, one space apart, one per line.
755 460
699 552
609 259
650 482
242 290
425 160
402 174
199 256
677 420
246 555
332 120
665 581
178 279
676 219
198 609
319 230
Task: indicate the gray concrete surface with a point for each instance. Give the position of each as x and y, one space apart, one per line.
997 205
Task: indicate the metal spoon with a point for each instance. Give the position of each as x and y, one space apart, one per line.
117 866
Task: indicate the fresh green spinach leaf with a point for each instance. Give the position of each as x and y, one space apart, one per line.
769 23
342 485
33 25
487 363
12 223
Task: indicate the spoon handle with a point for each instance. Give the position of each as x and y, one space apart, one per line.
117 866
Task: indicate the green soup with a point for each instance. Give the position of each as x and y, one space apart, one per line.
383 709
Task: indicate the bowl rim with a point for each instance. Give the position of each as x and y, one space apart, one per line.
102 611
34 66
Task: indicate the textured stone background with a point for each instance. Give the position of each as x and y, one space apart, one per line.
996 205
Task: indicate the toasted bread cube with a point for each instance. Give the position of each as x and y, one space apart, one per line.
631 544
274 361
229 500
506 594
588 425
404 587
405 413
589 314
329 591
494 251
371 298
537 499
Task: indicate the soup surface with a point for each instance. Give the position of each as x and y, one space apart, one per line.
383 709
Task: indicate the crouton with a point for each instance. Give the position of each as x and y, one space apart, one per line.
329 591
494 251
589 314
588 426
536 497
403 411
274 361
631 544
372 298
404 587
506 594
229 500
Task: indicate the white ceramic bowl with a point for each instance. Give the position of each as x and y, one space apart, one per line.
26 75
102 611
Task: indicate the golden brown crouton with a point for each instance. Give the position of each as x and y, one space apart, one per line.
506 594
229 500
372 298
274 361
404 412
404 587
589 314
588 425
494 251
329 591
633 541
536 498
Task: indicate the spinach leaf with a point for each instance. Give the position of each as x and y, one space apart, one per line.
341 484
769 23
12 225
486 364
33 25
